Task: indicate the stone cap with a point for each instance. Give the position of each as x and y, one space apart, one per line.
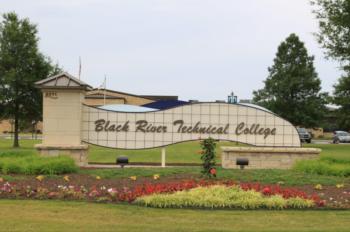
62 81
61 147
272 150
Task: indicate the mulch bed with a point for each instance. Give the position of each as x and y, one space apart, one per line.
334 197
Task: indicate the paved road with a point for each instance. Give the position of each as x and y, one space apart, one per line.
6 136
315 141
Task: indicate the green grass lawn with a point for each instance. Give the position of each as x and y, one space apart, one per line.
265 176
177 153
26 215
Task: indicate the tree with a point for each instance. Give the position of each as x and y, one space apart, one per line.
342 98
21 65
334 37
292 88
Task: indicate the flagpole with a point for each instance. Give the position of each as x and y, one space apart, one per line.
104 95
79 67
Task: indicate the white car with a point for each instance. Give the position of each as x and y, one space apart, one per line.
341 137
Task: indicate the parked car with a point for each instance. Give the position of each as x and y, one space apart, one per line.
341 137
304 135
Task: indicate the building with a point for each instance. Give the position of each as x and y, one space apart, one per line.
99 97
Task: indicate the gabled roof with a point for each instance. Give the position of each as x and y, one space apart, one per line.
62 80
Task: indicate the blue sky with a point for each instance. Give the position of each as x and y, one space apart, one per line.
196 49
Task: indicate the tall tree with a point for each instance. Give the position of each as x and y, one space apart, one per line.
21 65
334 36
292 88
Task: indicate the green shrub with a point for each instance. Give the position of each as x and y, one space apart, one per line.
221 197
323 167
336 159
34 165
18 153
208 157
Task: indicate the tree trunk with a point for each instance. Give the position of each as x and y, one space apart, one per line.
15 140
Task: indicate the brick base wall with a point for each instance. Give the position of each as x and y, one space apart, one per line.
266 158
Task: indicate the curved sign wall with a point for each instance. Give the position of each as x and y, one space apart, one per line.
222 121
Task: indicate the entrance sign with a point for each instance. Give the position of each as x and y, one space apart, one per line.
222 121
68 124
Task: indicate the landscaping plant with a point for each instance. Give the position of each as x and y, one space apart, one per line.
33 164
208 157
220 196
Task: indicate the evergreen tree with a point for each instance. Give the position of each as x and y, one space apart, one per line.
21 65
334 36
292 88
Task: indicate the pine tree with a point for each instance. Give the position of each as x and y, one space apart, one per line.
292 88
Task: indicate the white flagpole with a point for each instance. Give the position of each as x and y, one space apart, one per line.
79 67
104 95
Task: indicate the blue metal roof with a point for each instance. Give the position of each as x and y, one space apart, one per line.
165 104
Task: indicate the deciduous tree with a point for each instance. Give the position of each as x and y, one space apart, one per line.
21 65
334 37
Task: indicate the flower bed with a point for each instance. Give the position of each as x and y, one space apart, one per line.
40 188
220 196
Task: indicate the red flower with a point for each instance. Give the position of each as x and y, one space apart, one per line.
213 171
266 191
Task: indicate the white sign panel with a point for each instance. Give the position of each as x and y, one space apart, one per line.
222 121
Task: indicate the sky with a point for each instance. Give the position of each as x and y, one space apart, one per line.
195 49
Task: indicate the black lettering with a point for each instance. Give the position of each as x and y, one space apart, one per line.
189 129
273 131
226 129
106 125
111 128
119 128
256 128
196 128
239 128
208 129
181 122
202 130
251 131
140 125
261 131
125 127
220 130
267 132
99 125
213 130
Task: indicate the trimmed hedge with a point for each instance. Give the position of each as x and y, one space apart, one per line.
219 196
29 164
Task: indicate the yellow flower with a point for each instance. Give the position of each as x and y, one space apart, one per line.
156 176
339 186
1 179
40 178
66 178
98 178
318 187
133 178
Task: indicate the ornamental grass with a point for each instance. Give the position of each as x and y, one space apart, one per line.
223 197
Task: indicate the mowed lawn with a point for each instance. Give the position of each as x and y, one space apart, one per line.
29 215
186 152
